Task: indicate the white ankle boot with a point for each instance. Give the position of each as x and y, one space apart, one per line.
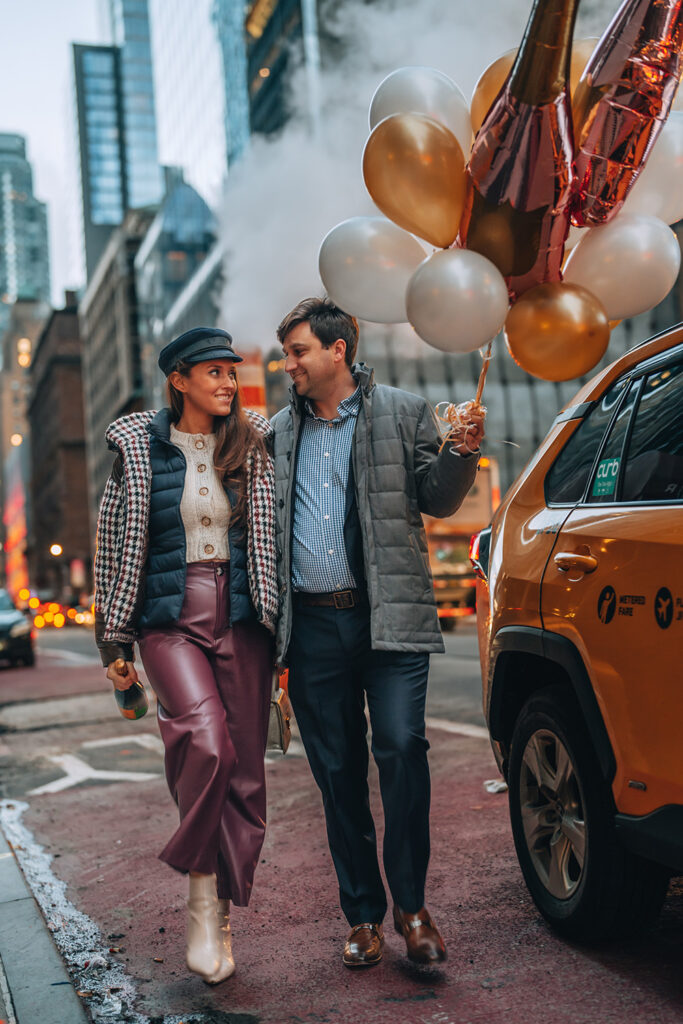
204 952
227 965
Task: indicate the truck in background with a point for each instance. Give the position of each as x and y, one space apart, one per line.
449 541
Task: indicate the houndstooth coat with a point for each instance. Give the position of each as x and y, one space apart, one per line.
122 532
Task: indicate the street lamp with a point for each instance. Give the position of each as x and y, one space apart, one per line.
56 550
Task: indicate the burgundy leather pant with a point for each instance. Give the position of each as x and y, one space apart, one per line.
213 684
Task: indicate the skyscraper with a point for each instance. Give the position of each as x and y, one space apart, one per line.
131 36
114 95
24 258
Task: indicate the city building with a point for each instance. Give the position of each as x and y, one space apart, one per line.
112 373
116 126
26 320
197 303
176 245
189 87
24 257
58 553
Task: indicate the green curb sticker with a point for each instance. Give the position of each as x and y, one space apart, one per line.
606 477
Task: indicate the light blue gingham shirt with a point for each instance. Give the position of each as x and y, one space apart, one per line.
319 562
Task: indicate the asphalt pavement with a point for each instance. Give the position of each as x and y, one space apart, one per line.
85 810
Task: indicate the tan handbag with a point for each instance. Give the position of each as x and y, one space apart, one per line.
279 723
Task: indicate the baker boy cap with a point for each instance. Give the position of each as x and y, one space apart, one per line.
197 346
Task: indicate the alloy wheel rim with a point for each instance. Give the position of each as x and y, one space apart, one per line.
553 817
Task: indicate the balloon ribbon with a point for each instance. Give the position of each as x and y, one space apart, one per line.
456 417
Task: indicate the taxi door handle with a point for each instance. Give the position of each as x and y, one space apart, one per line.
566 560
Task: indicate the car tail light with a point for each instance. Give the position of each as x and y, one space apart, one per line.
479 552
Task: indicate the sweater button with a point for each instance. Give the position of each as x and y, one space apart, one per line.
199 444
206 521
208 548
281 503
201 468
203 490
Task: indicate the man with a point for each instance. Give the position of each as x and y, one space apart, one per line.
356 464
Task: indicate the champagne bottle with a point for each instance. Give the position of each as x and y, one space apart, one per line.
132 702
622 101
520 173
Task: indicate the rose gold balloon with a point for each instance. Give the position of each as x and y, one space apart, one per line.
520 171
622 101
414 169
557 331
491 82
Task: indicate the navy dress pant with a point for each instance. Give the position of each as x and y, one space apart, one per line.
332 670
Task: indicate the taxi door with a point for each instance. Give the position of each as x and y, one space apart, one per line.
614 587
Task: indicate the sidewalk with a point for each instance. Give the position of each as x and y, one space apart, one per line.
34 984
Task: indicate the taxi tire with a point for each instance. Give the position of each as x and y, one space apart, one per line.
619 893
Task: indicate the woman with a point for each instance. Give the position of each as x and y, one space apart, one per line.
185 565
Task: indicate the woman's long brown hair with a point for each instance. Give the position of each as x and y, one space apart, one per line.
235 438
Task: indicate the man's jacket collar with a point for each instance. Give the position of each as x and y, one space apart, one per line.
365 375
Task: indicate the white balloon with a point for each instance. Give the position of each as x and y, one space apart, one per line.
365 264
424 91
574 237
678 99
457 300
629 264
658 190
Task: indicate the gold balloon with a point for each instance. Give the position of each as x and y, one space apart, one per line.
491 82
414 169
557 331
488 87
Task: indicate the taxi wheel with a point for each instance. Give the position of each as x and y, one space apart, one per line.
585 884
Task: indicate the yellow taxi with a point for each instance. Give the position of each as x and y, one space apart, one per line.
580 623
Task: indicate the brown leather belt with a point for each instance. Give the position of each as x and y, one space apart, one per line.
336 599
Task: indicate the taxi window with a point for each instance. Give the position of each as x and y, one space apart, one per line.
603 486
654 464
567 479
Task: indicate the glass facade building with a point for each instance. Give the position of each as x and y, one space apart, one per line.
24 257
114 100
189 90
131 36
176 245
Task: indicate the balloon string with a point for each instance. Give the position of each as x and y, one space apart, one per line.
456 417
484 371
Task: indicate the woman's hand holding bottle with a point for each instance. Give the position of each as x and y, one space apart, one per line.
122 674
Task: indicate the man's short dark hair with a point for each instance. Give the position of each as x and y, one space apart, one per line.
327 321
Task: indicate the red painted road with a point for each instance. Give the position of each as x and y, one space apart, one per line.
50 678
504 966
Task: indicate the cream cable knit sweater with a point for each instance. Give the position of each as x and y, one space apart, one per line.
204 507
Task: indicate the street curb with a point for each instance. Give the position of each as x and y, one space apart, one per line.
38 983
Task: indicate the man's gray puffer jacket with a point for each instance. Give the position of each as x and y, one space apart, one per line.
398 473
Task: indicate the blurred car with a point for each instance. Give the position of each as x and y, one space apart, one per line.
580 622
448 541
16 633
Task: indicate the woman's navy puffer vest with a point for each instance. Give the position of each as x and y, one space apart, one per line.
166 566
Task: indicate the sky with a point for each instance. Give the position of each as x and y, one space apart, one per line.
35 69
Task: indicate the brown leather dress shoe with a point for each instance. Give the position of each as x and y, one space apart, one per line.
423 942
364 946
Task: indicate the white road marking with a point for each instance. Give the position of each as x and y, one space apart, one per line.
71 656
143 739
458 728
78 771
